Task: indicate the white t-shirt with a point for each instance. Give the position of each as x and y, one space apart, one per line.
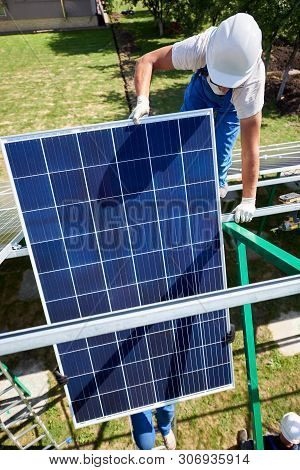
248 98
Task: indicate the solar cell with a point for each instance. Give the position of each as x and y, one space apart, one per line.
118 216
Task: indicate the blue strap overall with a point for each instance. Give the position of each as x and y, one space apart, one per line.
273 444
199 95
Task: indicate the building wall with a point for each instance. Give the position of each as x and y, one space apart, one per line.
48 24
32 15
32 9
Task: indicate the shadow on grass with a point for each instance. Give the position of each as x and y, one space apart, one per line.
99 439
145 30
270 345
82 42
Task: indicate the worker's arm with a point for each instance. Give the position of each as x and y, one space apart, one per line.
250 135
161 59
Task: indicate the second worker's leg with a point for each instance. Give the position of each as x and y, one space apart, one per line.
165 416
143 430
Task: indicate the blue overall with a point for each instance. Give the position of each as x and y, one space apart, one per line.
199 95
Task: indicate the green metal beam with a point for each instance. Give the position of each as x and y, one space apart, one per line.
283 260
249 345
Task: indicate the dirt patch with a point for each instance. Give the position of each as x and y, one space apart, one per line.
290 102
125 47
279 57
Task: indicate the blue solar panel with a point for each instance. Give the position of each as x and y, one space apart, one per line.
118 216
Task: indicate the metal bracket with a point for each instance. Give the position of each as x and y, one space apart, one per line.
47 335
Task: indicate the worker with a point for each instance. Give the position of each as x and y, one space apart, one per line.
287 439
229 76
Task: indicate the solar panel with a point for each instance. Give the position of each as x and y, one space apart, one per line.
10 227
278 158
118 216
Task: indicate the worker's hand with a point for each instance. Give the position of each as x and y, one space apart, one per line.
223 190
244 212
142 109
230 335
60 378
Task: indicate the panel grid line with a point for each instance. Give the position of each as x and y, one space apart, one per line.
125 285
161 243
157 380
149 334
105 164
126 220
66 252
130 242
106 285
123 226
190 230
114 197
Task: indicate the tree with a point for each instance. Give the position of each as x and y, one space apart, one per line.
160 9
289 64
276 18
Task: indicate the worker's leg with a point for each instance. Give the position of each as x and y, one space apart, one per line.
227 126
164 416
143 430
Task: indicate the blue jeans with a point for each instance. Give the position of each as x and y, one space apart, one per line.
143 429
199 95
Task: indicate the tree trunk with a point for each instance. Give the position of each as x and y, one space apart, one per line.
160 27
269 48
289 64
160 19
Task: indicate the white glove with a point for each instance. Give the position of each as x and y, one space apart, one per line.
223 191
244 212
142 109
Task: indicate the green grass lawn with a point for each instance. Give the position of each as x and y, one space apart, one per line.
62 79
65 79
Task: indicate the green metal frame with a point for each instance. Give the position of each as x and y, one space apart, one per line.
287 263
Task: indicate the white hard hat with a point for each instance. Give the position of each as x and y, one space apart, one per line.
290 427
233 50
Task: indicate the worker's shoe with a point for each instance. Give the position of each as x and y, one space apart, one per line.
170 441
241 438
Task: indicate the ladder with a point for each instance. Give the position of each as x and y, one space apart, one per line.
26 413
